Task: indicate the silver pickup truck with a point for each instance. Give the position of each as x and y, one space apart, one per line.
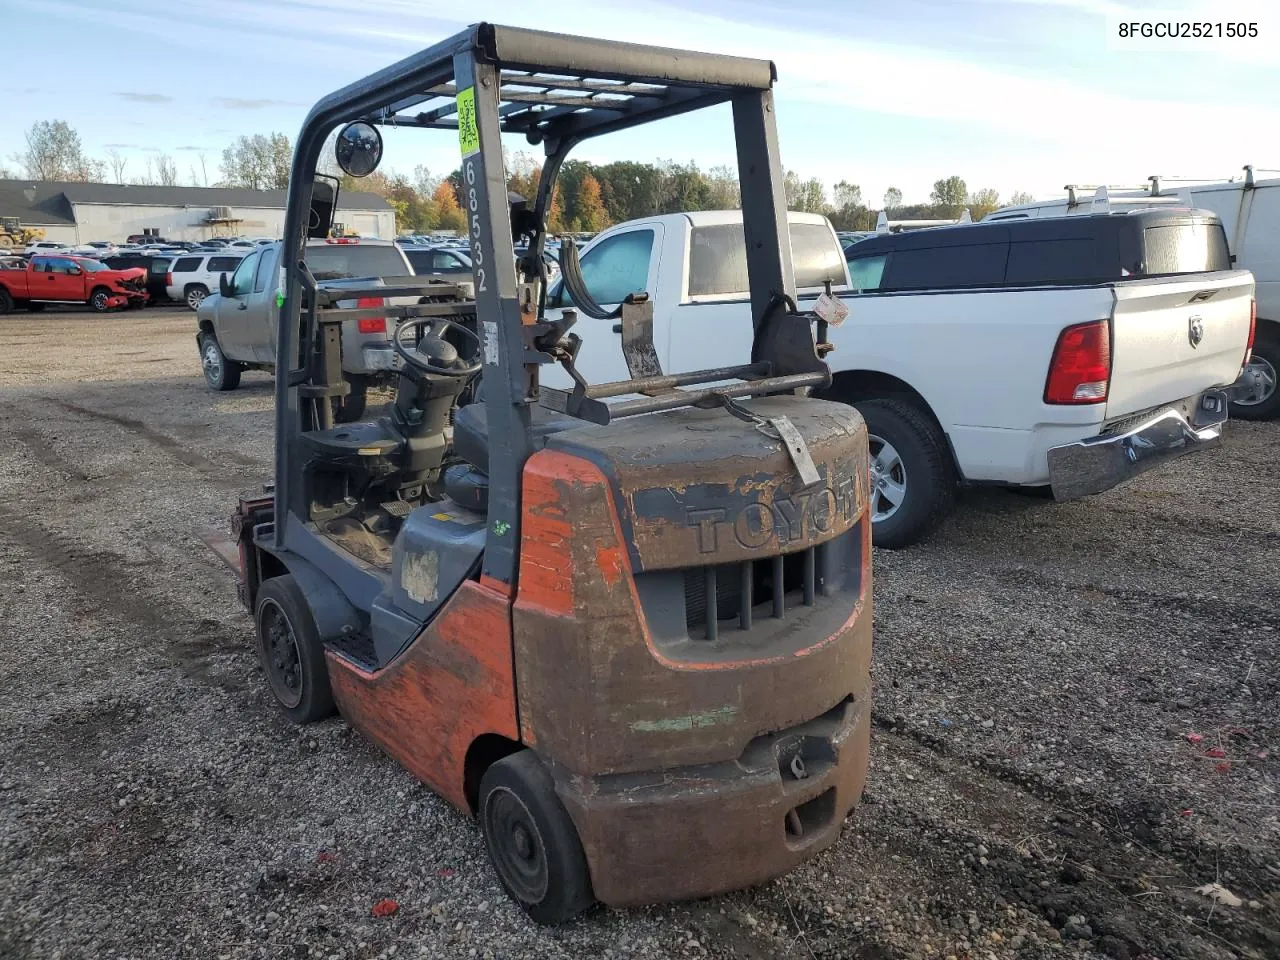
237 325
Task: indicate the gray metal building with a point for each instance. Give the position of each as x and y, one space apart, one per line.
80 212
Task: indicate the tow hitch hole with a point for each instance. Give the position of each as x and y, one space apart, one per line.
811 816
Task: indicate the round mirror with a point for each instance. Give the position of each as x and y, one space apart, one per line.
359 149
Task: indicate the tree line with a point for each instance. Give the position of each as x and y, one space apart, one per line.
588 196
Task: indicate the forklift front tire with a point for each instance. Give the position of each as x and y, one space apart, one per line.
290 651
532 843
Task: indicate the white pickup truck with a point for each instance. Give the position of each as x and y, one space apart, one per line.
969 359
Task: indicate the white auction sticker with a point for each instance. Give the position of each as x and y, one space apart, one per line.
831 309
491 343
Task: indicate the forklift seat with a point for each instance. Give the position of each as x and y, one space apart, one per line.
468 484
471 431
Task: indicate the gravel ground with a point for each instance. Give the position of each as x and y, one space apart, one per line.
1041 671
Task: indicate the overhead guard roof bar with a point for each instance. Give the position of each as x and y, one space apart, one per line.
553 87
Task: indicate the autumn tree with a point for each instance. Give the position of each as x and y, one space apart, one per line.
54 152
258 162
892 198
1019 196
723 190
591 216
448 213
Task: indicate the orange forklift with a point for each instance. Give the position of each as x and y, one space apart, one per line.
627 626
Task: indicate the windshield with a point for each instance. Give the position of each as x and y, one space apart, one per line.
336 261
1186 248
92 266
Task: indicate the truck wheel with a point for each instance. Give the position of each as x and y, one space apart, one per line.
1264 404
290 651
912 483
195 294
6 302
100 300
532 843
219 372
351 408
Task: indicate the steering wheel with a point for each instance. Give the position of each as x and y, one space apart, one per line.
447 361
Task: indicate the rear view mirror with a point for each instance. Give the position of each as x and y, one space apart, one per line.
224 285
324 205
358 149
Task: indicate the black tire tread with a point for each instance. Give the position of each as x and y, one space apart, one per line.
569 881
230 369
317 697
937 455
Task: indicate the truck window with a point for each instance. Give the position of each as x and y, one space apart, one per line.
223 264
618 266
1186 248
1057 261
186 264
971 265
242 280
718 259
264 270
338 261
865 272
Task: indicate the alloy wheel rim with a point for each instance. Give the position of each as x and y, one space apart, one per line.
212 363
1265 379
194 299
888 479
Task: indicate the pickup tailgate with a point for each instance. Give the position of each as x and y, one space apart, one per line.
1174 337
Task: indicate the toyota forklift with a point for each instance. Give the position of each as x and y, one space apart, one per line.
626 626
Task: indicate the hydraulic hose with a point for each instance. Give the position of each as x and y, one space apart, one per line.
576 287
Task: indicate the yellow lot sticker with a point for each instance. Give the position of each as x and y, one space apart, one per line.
468 132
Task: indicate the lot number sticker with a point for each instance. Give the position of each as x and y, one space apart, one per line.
468 133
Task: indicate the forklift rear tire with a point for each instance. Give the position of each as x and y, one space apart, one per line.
532 843
290 651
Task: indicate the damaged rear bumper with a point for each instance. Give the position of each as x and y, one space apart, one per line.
1100 463
702 830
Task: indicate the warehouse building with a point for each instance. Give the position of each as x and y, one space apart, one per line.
75 213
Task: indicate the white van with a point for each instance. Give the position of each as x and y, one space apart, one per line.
1249 209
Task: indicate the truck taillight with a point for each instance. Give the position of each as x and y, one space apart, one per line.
168 279
1253 329
371 324
1080 370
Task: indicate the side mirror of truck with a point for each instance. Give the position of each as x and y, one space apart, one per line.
224 285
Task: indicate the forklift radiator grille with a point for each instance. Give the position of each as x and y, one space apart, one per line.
731 591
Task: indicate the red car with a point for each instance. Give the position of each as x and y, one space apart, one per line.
59 279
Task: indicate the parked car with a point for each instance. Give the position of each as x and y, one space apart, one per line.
438 260
237 324
45 246
145 239
971 352
56 279
94 248
1250 212
155 266
193 277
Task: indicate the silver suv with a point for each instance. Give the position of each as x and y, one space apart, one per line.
238 323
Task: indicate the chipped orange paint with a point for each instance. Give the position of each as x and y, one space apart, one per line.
452 684
546 533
